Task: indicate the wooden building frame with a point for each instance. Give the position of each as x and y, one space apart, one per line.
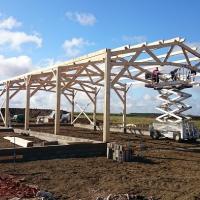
108 69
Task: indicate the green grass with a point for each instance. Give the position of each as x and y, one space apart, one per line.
197 123
134 119
117 118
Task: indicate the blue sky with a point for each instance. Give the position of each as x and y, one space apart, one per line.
51 31
114 19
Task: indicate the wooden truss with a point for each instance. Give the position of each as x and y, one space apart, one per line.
107 68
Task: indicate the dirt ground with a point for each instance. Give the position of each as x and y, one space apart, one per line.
165 169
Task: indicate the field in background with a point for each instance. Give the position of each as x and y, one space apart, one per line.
140 119
137 118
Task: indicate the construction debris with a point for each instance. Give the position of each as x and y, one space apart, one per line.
11 187
126 197
44 195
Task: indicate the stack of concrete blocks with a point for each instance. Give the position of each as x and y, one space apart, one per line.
119 153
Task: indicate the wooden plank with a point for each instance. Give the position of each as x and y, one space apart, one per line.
195 53
19 141
150 46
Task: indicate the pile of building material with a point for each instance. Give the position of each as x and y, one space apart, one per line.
126 197
11 187
19 141
44 195
120 153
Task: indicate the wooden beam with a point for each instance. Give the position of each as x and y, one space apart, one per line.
97 56
14 93
124 110
118 94
106 113
27 108
58 98
169 53
97 68
120 74
3 90
72 103
87 93
162 56
153 45
189 49
95 110
122 97
186 56
75 76
7 117
42 83
81 90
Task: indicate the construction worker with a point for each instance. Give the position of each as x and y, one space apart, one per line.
193 74
155 75
174 74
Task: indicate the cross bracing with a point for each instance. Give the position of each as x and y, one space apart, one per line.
107 69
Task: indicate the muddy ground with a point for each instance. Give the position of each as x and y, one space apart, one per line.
165 169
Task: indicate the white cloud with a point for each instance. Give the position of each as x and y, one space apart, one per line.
148 97
42 100
14 40
134 38
85 19
9 23
195 44
74 46
13 66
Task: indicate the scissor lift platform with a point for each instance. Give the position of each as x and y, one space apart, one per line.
173 123
169 85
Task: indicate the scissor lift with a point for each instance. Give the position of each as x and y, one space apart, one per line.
173 123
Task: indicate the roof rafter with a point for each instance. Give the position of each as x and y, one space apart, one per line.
127 62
